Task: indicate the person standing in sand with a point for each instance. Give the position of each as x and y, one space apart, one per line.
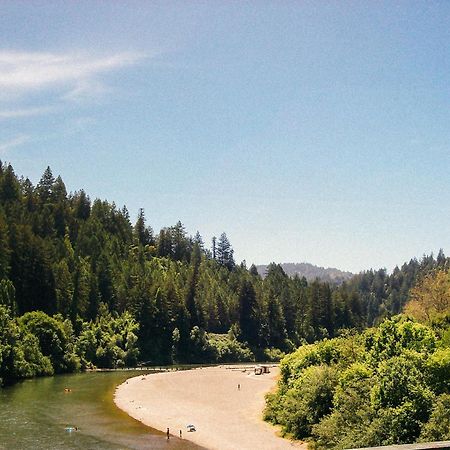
168 434
181 435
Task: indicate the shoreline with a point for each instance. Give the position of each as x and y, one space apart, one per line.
226 406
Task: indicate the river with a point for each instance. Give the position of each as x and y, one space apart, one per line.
34 414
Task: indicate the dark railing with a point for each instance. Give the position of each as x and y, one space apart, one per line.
421 446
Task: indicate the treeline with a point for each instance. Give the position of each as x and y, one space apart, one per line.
78 260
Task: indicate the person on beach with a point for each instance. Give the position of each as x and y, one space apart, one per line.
168 434
239 387
181 435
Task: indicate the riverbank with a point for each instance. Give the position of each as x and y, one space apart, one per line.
225 417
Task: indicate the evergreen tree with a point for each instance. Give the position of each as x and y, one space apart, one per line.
81 205
165 243
198 240
5 252
180 243
248 313
224 252
142 233
44 188
214 247
253 271
9 186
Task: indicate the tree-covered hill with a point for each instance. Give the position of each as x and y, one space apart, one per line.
116 292
311 272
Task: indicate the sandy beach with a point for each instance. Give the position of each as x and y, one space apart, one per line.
225 417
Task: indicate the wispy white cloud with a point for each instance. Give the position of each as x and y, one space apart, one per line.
40 83
12 143
87 90
29 71
26 112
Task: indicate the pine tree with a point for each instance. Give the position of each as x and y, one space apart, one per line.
143 234
248 314
60 211
224 252
180 243
253 271
5 253
198 240
44 188
165 243
9 185
82 205
214 247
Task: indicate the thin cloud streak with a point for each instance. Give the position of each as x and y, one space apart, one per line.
27 71
18 113
16 142
60 78
89 91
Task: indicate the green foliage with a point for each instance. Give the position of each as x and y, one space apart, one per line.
402 398
338 350
308 399
438 427
273 354
109 342
64 254
386 386
54 341
229 349
20 352
352 414
394 336
8 296
438 370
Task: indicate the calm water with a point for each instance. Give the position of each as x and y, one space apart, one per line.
35 413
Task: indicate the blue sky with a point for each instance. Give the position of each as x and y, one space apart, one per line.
307 131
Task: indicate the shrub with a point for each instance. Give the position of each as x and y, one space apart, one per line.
438 427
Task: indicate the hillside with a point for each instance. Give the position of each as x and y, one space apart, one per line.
114 292
311 272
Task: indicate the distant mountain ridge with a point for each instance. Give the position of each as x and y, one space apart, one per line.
311 272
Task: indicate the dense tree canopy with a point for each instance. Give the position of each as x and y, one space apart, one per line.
79 261
386 386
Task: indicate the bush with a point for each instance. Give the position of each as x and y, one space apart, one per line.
438 427
228 349
352 414
438 368
53 340
306 401
110 342
386 386
273 354
20 352
395 335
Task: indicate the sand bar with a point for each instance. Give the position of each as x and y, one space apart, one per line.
225 418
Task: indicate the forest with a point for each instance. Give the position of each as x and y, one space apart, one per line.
82 286
387 385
